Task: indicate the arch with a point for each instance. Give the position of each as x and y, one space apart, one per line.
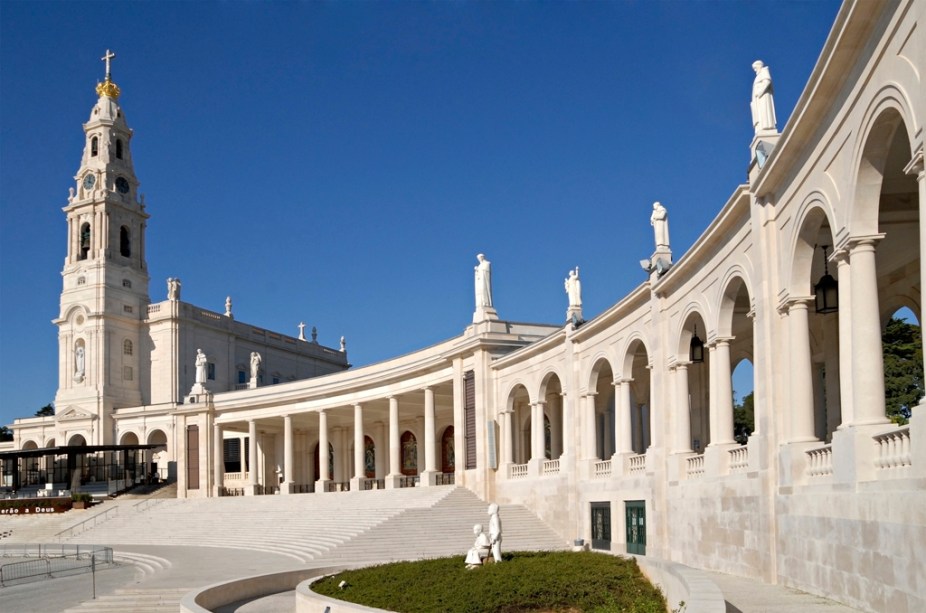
550 376
29 444
77 440
128 438
554 426
600 362
125 242
512 390
83 247
814 229
119 148
518 409
94 146
888 111
447 451
736 287
409 448
691 316
157 437
50 442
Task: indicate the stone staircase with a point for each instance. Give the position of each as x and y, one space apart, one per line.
136 600
444 529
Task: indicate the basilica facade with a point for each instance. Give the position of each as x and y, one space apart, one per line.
618 430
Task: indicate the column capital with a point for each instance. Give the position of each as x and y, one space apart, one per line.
916 166
590 394
621 380
856 244
794 303
721 341
540 403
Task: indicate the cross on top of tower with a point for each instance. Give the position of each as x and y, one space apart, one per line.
106 58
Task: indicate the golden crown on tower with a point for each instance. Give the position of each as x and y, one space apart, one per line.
107 87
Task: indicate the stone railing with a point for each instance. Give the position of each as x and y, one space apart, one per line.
694 466
445 479
518 471
739 459
820 461
602 469
551 467
153 308
409 481
893 448
236 476
637 464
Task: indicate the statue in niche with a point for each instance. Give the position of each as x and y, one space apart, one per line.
478 553
660 222
574 288
763 102
201 362
79 363
255 364
495 532
483 282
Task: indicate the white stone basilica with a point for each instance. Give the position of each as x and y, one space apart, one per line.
617 430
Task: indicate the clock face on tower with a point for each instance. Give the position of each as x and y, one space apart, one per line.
89 180
122 185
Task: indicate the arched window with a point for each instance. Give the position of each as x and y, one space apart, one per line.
119 148
409 446
94 146
84 245
125 243
127 347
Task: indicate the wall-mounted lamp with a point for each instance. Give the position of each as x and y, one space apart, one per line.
696 352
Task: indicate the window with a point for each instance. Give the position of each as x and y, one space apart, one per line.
242 377
125 243
211 374
119 149
276 380
127 373
94 146
127 348
127 283
127 308
81 280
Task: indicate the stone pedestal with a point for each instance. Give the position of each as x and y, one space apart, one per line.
485 313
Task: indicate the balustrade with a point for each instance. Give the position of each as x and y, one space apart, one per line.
820 461
551 467
739 459
694 466
893 448
518 471
637 464
409 480
602 469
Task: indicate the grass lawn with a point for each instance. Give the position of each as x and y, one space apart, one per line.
524 581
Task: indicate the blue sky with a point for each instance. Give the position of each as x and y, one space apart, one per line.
342 163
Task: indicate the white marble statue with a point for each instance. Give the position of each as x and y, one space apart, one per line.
343 344
763 102
255 364
660 222
228 306
480 549
574 288
79 363
173 288
201 362
495 532
483 282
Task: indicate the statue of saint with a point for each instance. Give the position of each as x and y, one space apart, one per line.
763 103
201 362
79 363
173 288
483 282
228 306
495 532
574 288
255 364
660 222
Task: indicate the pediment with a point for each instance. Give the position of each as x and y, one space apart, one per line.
74 413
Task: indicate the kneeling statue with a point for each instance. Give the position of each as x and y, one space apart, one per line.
480 549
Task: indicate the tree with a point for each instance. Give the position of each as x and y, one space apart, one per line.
5 434
903 368
744 420
47 411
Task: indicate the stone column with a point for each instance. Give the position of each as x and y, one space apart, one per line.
537 439
917 167
430 470
556 426
638 439
380 457
867 356
623 432
507 438
590 446
843 267
682 410
656 422
723 380
252 458
218 459
801 371
395 445
711 395
323 473
359 473
831 368
288 485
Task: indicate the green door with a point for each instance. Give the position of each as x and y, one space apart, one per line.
635 511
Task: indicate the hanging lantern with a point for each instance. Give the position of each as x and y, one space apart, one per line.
696 352
826 291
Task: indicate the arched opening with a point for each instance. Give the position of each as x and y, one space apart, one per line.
125 242
77 440
119 148
94 146
744 415
448 456
157 459
519 437
633 404
902 343
129 438
693 390
83 247
409 446
603 415
553 431
127 347
735 348
369 457
330 463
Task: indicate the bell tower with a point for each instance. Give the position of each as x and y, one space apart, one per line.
104 298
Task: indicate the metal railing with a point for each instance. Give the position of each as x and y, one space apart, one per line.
88 523
51 561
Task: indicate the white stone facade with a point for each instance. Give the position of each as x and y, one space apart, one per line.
827 495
